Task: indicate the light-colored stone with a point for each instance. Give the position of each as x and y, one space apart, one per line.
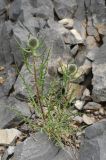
88 120
77 35
79 104
86 93
102 111
68 23
7 136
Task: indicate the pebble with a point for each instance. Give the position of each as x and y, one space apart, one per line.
78 119
79 104
102 111
7 136
92 106
88 120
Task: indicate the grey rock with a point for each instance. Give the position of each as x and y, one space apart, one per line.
99 75
9 49
81 55
74 50
80 12
14 10
65 9
81 28
92 53
2 9
5 49
54 41
44 10
9 75
94 144
38 147
92 106
19 107
7 117
24 86
12 111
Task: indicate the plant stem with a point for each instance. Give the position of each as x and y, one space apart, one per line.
37 89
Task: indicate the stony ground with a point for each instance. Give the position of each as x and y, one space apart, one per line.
74 30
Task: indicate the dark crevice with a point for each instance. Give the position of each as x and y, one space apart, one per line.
56 18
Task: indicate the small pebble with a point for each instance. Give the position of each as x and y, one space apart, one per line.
101 111
79 104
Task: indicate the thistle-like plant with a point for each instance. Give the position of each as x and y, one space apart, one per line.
54 116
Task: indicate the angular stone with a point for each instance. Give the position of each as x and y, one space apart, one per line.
99 75
79 104
14 10
92 106
91 42
39 147
5 49
88 120
65 9
7 136
92 53
94 144
44 9
12 111
9 76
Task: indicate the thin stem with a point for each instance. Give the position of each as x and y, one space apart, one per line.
37 88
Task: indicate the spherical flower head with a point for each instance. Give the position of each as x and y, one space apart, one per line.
33 43
72 69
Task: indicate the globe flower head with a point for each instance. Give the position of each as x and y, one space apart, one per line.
33 44
72 69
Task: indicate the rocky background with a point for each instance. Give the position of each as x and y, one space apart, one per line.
74 30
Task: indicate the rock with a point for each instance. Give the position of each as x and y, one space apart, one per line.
78 119
80 26
12 111
80 11
91 30
21 88
7 136
7 117
79 104
86 95
76 35
14 10
92 53
102 111
91 42
82 71
99 75
74 50
5 49
44 10
88 120
9 77
68 23
94 144
92 106
39 147
8 152
65 9
81 55
21 107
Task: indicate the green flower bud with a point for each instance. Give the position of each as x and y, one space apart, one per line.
73 69
33 43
